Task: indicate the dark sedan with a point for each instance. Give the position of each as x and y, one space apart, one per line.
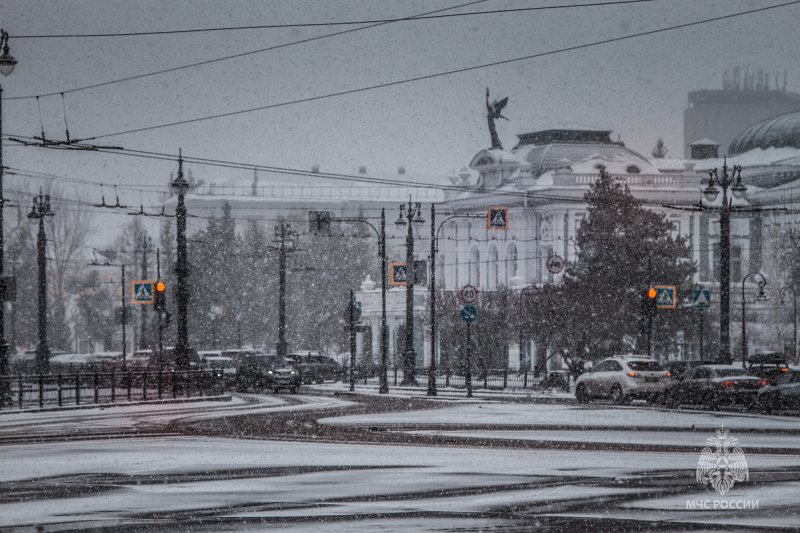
781 393
713 386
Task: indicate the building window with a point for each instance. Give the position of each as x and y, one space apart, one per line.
475 267
632 169
492 272
736 273
511 262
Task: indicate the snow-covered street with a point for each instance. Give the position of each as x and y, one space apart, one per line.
502 472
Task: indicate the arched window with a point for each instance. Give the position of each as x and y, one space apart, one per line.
475 267
633 169
511 262
492 274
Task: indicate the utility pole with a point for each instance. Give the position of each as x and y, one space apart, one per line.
7 64
160 313
432 369
124 317
283 237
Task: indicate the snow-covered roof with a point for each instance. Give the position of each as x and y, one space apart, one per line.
705 141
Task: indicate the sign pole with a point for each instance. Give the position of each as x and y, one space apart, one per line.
702 315
468 377
352 313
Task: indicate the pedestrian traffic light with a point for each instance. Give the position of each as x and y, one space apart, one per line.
160 297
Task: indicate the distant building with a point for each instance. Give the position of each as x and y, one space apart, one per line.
746 98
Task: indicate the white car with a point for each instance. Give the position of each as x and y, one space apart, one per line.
622 378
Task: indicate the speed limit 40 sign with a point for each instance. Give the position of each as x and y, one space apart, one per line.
469 294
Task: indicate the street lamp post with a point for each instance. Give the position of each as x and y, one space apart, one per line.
760 298
40 210
782 293
711 192
7 64
383 387
410 215
181 187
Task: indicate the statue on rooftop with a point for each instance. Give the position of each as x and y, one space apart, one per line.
494 111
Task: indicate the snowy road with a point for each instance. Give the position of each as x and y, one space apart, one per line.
372 464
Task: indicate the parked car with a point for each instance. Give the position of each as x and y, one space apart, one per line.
318 368
262 371
223 369
622 378
713 386
768 365
679 367
781 393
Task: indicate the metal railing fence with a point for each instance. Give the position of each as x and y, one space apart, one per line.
83 388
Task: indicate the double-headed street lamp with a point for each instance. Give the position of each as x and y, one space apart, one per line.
181 187
7 64
760 298
733 182
411 216
40 210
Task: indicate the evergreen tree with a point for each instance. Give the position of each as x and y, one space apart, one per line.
660 151
623 250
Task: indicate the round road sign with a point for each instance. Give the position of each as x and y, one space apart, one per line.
555 264
469 313
469 294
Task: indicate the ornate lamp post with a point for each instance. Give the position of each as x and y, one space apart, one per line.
40 210
711 192
760 298
412 216
181 187
7 64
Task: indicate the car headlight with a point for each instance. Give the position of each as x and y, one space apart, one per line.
269 371
292 371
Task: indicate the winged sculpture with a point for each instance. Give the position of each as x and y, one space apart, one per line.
495 110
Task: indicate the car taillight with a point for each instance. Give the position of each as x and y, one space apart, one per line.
784 369
667 374
634 374
730 383
762 383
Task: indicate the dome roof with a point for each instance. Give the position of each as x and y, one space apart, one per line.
778 132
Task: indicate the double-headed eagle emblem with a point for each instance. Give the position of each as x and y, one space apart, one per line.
720 466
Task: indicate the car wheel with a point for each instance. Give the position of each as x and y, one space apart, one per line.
617 396
581 395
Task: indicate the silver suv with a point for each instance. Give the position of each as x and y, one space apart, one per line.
622 378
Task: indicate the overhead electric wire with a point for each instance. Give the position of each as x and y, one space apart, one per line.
243 54
439 74
324 24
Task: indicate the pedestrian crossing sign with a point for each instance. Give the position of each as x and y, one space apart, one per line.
665 296
142 292
702 298
497 218
398 274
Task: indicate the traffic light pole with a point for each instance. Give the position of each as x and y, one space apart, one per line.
160 314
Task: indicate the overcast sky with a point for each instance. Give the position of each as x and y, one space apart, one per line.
637 87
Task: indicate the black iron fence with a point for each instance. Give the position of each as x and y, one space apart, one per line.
490 379
83 388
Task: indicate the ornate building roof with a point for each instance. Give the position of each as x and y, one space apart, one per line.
778 132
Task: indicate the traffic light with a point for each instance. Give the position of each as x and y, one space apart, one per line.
160 298
649 307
